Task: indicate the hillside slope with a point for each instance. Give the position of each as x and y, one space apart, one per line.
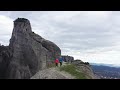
67 71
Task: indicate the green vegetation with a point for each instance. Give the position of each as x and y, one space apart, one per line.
73 71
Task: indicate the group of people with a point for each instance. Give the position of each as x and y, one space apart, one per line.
57 61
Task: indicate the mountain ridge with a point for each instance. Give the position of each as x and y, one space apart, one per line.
103 64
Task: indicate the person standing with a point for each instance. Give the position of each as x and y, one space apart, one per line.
56 62
60 60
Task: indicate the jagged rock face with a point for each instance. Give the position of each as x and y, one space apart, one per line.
68 59
30 52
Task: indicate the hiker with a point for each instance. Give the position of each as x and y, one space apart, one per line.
56 62
60 60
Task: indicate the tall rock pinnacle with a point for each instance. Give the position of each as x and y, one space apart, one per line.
30 52
21 28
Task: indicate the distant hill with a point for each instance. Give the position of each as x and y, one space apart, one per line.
106 71
110 65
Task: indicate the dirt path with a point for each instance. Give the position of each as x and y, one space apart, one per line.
52 73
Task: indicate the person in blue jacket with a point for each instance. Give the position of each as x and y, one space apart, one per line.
60 60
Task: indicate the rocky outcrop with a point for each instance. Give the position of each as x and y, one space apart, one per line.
29 51
67 58
5 56
84 67
77 62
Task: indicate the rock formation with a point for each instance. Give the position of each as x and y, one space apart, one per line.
5 55
67 58
85 68
29 52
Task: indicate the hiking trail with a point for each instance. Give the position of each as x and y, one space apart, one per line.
53 73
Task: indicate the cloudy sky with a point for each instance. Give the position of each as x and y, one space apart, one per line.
92 36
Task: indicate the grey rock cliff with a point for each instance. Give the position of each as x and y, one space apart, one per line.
5 56
30 52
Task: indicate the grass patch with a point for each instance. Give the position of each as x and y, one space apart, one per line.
71 69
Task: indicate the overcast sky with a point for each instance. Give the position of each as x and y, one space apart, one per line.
92 36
